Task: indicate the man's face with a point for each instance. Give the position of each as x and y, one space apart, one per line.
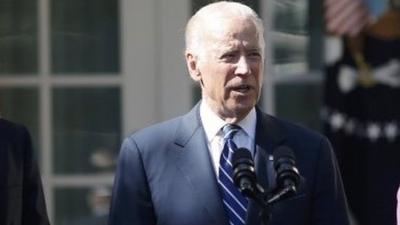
231 67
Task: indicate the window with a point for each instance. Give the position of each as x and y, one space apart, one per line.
60 76
289 36
19 36
295 77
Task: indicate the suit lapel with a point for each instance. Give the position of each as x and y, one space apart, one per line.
268 136
194 161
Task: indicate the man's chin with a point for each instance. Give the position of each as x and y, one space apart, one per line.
243 103
241 109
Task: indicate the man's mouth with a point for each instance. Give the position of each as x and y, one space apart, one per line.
242 88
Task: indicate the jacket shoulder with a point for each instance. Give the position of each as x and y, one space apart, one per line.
11 131
157 130
155 136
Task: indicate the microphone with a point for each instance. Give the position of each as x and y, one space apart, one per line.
287 175
244 175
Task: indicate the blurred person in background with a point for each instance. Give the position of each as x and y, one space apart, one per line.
362 110
21 195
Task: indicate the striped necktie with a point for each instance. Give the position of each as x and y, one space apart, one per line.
235 203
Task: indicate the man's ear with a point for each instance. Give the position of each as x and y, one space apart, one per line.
193 66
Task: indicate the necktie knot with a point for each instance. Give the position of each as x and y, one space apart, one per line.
230 130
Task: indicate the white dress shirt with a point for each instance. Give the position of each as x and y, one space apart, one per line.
213 124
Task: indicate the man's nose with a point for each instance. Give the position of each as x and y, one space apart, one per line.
242 66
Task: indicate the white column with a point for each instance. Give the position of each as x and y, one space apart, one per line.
269 87
138 64
175 82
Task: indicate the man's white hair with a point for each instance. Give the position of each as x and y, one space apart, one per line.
212 12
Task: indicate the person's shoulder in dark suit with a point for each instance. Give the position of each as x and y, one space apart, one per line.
21 194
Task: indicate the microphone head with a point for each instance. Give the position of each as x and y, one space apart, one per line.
283 153
242 155
244 175
285 166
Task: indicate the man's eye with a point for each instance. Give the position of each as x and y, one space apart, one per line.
254 55
229 56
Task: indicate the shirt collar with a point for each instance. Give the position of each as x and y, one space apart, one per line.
212 123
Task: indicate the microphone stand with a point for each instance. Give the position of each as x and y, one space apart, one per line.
266 199
259 198
281 194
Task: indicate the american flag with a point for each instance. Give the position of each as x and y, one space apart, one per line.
345 17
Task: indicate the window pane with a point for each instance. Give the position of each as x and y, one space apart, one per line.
82 206
87 129
299 103
18 37
290 35
21 105
85 36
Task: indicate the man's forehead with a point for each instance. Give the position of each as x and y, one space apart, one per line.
231 36
234 46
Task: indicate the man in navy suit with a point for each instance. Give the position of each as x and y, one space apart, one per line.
21 194
169 173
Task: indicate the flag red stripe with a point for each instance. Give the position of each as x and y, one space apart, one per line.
345 17
332 10
342 19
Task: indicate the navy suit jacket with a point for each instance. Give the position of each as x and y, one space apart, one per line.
165 176
21 195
